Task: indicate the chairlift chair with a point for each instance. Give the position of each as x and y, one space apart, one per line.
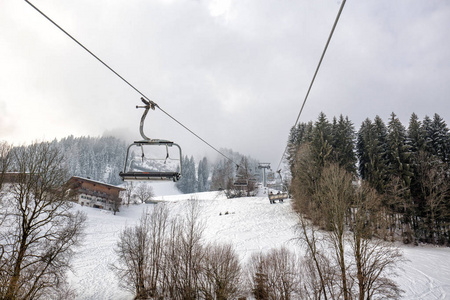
154 161
282 191
240 182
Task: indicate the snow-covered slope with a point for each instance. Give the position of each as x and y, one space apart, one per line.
251 224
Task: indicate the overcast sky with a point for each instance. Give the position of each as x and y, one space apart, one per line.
235 72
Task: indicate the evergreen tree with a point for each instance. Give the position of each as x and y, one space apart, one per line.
321 140
416 143
200 180
362 144
188 182
416 134
99 158
371 151
298 135
343 142
398 153
202 175
438 138
191 175
428 131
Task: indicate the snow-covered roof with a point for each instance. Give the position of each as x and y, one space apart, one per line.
97 182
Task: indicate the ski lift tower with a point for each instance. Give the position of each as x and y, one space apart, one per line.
264 166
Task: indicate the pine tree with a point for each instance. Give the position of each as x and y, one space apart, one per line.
192 179
343 142
298 135
416 134
188 182
438 139
416 143
428 131
202 175
398 153
362 142
321 140
371 151
200 181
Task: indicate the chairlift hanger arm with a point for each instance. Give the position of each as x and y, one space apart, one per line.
149 104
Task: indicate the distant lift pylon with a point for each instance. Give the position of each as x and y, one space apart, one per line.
154 161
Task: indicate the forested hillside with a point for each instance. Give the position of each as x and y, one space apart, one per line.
215 175
408 168
102 158
99 158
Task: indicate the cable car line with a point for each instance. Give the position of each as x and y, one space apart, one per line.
315 74
129 84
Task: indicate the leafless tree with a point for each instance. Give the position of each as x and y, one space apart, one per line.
185 255
129 191
133 262
333 197
351 218
141 253
320 274
374 259
275 275
165 258
220 277
144 192
5 161
40 230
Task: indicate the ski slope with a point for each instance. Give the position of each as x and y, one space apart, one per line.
251 224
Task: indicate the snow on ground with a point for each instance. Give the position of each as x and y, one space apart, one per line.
164 188
251 224
426 274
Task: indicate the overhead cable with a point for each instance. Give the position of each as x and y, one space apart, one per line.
315 74
128 83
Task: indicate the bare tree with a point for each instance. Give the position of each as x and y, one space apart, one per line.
141 250
133 250
374 258
40 229
162 258
5 161
333 196
144 192
184 255
220 277
129 191
275 275
352 219
320 274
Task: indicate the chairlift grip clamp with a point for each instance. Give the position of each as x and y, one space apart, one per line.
148 104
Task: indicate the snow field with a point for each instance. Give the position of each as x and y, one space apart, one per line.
250 224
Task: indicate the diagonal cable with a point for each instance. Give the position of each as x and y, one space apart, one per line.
315 74
128 83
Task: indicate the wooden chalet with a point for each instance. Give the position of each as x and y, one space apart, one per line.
94 193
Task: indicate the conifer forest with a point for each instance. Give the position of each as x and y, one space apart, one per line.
406 166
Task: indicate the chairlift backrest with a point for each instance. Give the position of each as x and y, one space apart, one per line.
147 165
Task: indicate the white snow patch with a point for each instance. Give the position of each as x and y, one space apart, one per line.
251 224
